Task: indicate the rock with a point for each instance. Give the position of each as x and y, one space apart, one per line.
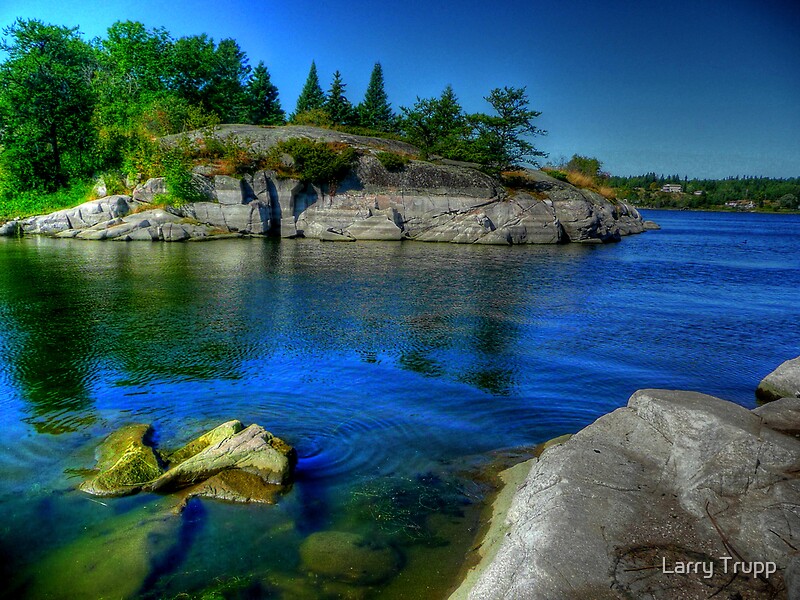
781 415
651 226
82 216
234 486
113 560
254 450
783 382
377 227
348 557
10 229
197 445
230 190
664 478
125 462
331 235
146 192
251 218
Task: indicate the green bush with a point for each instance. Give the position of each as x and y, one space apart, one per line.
316 117
392 161
34 202
182 186
314 161
556 174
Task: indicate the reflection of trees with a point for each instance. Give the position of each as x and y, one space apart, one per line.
52 356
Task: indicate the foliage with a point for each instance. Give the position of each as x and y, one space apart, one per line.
586 165
392 161
182 185
316 117
311 97
25 203
262 99
556 173
436 125
314 161
336 103
375 112
46 106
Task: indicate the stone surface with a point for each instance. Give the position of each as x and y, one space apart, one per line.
674 476
233 486
781 415
377 227
10 229
197 445
254 450
125 462
783 382
82 216
348 557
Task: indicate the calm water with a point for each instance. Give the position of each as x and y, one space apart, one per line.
380 363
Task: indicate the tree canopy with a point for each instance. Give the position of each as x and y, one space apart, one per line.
375 111
311 97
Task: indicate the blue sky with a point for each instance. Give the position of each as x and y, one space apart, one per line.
703 88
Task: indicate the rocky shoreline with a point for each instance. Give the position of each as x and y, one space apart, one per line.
676 495
441 201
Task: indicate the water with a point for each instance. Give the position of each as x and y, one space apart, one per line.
381 363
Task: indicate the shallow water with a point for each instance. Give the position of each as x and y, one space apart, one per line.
381 363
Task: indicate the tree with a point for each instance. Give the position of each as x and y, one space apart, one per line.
502 137
375 111
212 76
311 97
262 99
336 103
46 104
436 124
586 165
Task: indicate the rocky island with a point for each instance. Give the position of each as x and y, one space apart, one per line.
430 200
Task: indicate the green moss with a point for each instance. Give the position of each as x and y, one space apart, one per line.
348 557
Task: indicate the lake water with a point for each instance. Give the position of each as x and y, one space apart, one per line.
384 364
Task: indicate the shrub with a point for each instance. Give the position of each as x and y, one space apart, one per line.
316 117
557 174
392 161
314 161
182 186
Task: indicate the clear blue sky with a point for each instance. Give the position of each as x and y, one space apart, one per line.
699 88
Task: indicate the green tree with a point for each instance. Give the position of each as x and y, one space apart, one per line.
375 111
210 75
586 165
502 138
46 105
311 97
436 124
336 103
262 99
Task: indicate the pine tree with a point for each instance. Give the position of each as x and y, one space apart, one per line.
336 103
375 111
312 97
262 99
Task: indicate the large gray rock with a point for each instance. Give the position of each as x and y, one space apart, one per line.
783 382
377 227
674 477
10 229
82 216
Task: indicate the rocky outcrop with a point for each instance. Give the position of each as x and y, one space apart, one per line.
442 201
624 507
783 382
233 462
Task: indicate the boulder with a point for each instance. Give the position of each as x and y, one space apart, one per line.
197 445
674 477
10 229
781 415
231 190
783 382
125 461
348 557
253 449
112 560
233 486
82 216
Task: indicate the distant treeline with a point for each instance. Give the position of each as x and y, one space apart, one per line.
71 109
762 192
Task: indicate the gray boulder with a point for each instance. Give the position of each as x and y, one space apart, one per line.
10 229
783 382
376 227
674 477
82 216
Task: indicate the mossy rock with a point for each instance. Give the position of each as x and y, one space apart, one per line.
113 560
197 445
234 485
125 463
348 557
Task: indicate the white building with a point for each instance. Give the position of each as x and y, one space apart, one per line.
672 188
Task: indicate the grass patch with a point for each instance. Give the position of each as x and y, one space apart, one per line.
392 161
29 203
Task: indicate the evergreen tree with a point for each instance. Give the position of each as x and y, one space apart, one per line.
262 99
312 97
375 111
336 103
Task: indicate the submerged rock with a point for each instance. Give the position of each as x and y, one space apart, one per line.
783 382
113 560
234 485
348 557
